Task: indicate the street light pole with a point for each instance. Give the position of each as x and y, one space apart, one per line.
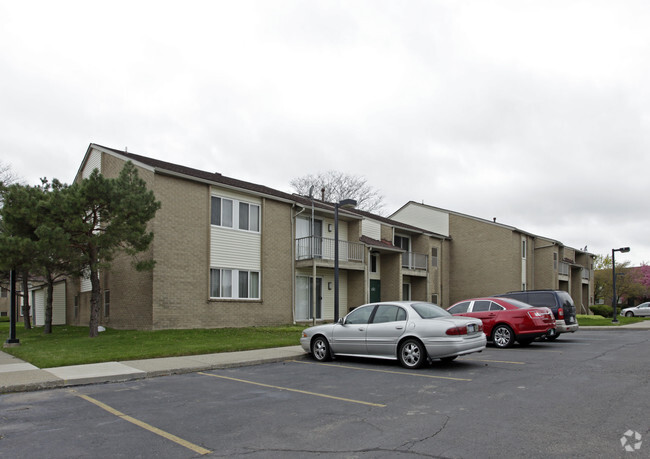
343 203
614 296
12 341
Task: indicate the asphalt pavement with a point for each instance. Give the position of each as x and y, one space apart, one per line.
19 376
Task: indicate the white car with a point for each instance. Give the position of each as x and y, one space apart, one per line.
409 331
642 310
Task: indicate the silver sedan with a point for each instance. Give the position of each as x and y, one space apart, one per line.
409 331
642 310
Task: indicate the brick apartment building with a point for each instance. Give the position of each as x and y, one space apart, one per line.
487 258
230 253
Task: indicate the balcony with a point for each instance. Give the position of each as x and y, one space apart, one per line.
415 261
564 269
322 248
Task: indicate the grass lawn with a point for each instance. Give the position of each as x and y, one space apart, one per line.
68 345
591 321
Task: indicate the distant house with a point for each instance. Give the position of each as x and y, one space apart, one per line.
486 257
38 299
231 253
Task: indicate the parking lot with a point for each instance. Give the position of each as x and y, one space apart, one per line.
577 397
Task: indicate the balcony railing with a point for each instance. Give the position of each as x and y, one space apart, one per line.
412 260
564 268
323 248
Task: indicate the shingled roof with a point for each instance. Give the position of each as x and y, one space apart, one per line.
217 178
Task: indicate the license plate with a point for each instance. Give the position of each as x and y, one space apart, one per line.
572 319
471 328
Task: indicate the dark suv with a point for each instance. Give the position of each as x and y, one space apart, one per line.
559 301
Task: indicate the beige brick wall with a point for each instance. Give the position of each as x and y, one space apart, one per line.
130 290
545 272
391 276
485 259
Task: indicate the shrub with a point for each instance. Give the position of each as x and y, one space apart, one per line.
604 310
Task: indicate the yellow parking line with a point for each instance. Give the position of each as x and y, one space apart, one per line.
197 449
294 390
496 361
382 371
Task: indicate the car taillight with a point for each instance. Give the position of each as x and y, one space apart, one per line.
560 313
457 331
534 314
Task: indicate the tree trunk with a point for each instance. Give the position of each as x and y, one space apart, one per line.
26 316
47 328
94 299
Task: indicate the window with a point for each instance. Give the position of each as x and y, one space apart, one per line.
246 283
434 298
373 263
496 307
434 257
460 308
3 292
224 212
249 217
221 213
555 261
523 248
481 306
76 306
107 303
388 313
359 315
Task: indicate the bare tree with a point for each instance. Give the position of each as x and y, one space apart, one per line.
339 185
7 176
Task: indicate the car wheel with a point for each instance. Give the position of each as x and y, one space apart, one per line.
449 359
525 341
411 354
320 349
502 336
629 314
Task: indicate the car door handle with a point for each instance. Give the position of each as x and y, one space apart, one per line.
361 329
398 327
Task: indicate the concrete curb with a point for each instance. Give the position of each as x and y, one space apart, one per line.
107 372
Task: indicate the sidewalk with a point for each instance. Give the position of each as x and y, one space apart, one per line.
19 376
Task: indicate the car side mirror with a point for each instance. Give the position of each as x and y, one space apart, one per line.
340 321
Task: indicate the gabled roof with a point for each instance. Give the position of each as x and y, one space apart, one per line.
386 245
490 222
397 224
164 167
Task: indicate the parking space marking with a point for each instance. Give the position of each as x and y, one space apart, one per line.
294 390
495 361
382 371
191 446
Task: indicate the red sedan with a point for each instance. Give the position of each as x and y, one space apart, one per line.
506 320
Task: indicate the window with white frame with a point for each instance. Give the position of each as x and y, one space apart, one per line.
234 284
225 212
523 248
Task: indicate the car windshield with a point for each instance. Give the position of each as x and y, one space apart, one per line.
430 310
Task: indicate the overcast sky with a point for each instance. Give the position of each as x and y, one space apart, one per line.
533 112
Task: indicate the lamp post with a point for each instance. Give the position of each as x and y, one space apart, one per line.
12 341
342 203
614 297
312 241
